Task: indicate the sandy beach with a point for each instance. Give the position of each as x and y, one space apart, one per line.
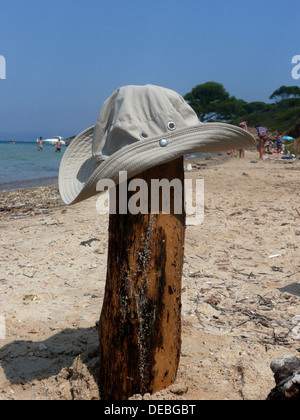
240 287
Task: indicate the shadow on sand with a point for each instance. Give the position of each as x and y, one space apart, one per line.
26 361
293 289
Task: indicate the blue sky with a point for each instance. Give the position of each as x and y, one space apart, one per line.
64 58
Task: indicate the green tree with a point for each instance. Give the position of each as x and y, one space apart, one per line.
285 92
211 101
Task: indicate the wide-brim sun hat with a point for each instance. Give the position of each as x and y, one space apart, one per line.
140 127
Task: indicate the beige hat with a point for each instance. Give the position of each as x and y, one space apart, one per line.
138 128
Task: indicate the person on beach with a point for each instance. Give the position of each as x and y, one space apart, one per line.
279 142
269 146
58 146
40 144
244 125
261 132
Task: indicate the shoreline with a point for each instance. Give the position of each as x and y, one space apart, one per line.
40 196
30 197
28 184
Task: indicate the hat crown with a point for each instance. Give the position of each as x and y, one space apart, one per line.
139 113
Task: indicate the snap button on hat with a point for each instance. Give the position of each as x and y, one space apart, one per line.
163 143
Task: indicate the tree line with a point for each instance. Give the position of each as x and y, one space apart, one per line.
212 102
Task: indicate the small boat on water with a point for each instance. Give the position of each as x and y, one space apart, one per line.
54 140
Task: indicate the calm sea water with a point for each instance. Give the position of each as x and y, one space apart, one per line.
22 166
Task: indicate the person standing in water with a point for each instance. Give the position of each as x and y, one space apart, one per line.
58 146
40 144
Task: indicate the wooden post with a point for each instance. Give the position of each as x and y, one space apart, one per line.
140 323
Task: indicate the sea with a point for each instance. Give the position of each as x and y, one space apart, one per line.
23 166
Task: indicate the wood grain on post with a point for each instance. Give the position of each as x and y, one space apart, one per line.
140 323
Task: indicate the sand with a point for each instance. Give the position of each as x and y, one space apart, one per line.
240 287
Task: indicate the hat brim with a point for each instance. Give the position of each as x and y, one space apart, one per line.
79 172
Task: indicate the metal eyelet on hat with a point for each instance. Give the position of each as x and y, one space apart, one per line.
163 143
171 126
143 135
